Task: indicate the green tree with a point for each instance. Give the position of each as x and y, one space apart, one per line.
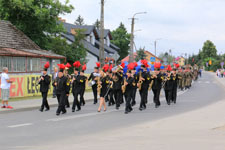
140 54
38 19
209 50
169 58
121 39
97 24
79 21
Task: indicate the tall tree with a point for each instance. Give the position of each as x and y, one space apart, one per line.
97 24
35 18
121 38
79 21
140 54
209 50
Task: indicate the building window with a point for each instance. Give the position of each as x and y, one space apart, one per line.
19 64
33 64
5 61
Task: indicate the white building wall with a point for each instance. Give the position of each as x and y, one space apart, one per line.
91 62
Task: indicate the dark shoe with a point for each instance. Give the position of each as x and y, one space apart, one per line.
156 106
73 110
117 108
41 109
64 112
67 106
95 103
168 103
47 109
126 112
140 109
57 114
78 109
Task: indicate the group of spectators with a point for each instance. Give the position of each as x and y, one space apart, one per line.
220 73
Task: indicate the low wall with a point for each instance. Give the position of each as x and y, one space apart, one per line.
25 86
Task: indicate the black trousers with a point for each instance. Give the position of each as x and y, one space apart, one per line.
133 97
118 97
82 97
75 100
67 103
156 93
168 94
44 100
144 96
61 106
128 102
111 97
54 91
174 95
95 92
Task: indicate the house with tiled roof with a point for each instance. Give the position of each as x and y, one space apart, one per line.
91 42
148 57
20 54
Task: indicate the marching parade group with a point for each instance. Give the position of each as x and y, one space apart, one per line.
116 85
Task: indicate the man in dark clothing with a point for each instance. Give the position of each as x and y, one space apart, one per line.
144 88
76 89
134 86
94 75
83 81
156 87
175 84
117 84
62 90
128 92
44 82
168 87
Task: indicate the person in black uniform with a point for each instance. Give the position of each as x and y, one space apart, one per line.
144 88
44 82
103 83
62 89
111 91
134 86
168 85
83 85
76 89
117 83
67 66
93 77
175 84
128 92
108 78
157 85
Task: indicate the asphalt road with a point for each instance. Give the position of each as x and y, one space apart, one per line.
33 130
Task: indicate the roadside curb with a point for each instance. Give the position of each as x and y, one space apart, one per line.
32 108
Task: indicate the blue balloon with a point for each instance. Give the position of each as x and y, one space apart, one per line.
162 67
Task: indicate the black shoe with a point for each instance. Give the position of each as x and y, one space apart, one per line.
168 103
64 112
57 114
95 103
156 106
47 109
109 104
41 109
117 108
78 109
73 110
126 112
68 106
140 108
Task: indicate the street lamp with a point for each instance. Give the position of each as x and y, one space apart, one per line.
131 58
155 44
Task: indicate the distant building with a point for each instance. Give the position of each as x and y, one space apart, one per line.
180 61
148 57
91 42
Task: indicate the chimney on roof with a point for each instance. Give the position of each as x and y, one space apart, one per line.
63 20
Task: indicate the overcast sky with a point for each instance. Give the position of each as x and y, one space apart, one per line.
182 25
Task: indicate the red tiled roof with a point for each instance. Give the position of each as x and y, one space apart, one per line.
135 55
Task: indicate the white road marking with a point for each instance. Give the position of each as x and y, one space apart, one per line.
96 113
20 125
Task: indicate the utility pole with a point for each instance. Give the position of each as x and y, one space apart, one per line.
131 57
101 50
155 46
